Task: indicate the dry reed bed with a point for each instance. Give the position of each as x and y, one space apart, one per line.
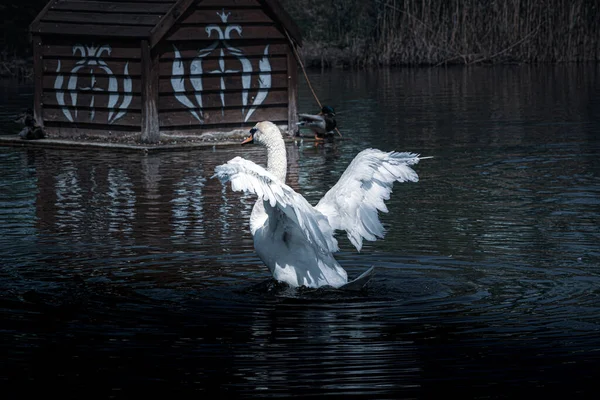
433 32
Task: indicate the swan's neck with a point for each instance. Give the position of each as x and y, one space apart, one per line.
277 159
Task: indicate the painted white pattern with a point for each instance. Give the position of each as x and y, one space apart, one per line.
197 72
264 82
90 60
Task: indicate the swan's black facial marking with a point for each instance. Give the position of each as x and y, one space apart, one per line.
250 139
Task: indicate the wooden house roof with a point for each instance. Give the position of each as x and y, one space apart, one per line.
137 19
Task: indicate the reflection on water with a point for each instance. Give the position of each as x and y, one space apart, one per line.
128 271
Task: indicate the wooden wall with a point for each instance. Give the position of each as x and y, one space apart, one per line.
90 88
88 64
232 78
225 64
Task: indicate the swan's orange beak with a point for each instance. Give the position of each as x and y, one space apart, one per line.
249 139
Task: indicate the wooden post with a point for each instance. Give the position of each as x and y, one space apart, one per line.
150 127
38 79
292 70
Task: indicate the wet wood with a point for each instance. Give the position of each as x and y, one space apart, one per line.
83 80
168 21
63 49
38 79
150 127
228 3
101 100
114 6
230 81
292 93
239 16
119 69
67 29
285 19
101 18
190 50
171 2
83 115
232 99
249 32
222 116
211 66
34 24
143 36
104 131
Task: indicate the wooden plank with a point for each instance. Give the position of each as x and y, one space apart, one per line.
292 93
139 1
190 50
38 79
33 26
249 32
65 49
83 115
68 29
229 116
150 128
210 16
159 8
286 21
168 102
118 68
278 65
101 18
53 82
57 129
50 99
168 20
199 130
231 81
228 3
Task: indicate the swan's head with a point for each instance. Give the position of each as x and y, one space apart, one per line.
264 133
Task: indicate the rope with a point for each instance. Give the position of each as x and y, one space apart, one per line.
305 75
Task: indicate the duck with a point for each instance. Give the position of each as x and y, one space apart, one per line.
322 124
31 130
295 240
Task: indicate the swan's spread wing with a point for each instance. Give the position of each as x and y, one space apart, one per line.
353 202
247 176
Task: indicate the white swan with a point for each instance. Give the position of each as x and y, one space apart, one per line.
296 240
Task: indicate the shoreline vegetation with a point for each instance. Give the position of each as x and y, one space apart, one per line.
374 33
358 33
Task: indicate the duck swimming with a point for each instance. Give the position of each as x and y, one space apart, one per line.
32 130
322 124
296 240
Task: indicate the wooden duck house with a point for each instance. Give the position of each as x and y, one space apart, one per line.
150 67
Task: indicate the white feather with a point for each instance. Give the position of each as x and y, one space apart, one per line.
352 203
246 176
296 240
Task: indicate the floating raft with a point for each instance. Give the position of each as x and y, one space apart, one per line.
169 144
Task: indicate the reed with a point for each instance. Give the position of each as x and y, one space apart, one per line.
433 32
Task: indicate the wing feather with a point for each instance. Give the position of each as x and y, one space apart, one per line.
352 204
247 176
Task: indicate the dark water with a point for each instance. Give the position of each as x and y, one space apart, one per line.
124 274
